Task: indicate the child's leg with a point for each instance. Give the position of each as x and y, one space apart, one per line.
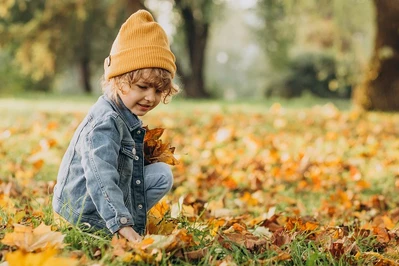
158 180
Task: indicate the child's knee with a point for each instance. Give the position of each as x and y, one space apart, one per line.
167 176
159 175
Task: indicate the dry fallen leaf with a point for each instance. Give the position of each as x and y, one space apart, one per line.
29 239
155 150
45 258
248 240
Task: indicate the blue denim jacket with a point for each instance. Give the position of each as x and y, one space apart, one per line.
100 180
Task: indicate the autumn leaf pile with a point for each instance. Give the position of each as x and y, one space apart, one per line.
276 186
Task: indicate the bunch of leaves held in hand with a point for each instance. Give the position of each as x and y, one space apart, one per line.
155 150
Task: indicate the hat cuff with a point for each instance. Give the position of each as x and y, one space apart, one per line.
138 58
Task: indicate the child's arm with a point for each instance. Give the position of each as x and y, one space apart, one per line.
100 156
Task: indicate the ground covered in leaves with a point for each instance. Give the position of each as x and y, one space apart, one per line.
265 185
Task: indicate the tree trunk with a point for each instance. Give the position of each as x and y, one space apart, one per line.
134 5
85 74
85 57
197 38
380 88
196 35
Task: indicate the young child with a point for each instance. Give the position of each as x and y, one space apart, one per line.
102 180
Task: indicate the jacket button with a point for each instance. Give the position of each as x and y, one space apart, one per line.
134 151
123 220
140 206
138 182
136 158
138 132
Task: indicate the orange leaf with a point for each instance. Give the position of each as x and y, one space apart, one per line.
153 134
160 209
155 150
382 234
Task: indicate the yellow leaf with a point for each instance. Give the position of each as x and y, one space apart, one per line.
19 215
160 226
29 239
45 258
160 209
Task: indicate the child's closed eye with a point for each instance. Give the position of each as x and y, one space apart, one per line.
143 87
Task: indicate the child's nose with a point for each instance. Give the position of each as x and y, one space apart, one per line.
150 96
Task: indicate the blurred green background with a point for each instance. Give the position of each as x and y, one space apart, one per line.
243 49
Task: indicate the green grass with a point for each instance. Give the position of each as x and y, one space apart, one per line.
57 102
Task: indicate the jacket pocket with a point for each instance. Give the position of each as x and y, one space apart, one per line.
128 151
125 169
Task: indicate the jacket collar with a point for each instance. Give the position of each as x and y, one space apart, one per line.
131 120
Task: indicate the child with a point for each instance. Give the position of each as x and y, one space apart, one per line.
102 180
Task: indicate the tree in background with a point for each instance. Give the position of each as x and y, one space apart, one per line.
196 18
380 88
48 36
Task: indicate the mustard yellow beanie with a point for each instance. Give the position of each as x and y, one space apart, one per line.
140 43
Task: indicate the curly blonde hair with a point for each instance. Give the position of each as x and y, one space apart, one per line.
158 78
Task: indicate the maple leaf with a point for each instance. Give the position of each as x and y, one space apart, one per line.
180 238
45 258
29 239
150 248
156 221
249 241
155 150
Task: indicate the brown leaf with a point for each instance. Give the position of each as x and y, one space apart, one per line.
248 240
155 150
153 134
337 249
272 223
192 255
281 237
382 234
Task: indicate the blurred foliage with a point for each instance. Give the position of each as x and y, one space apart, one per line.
312 72
47 36
11 79
278 31
315 45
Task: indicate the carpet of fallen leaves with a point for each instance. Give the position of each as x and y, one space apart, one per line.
277 186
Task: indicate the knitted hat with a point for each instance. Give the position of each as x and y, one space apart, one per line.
140 43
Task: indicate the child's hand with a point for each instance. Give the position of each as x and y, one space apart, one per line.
131 235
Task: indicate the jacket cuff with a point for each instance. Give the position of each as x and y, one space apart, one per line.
118 222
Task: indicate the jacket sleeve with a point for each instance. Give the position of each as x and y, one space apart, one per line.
100 159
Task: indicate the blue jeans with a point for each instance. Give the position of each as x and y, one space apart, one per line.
158 180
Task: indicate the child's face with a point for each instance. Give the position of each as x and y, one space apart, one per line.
141 97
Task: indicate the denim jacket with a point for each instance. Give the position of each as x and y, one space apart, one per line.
100 180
